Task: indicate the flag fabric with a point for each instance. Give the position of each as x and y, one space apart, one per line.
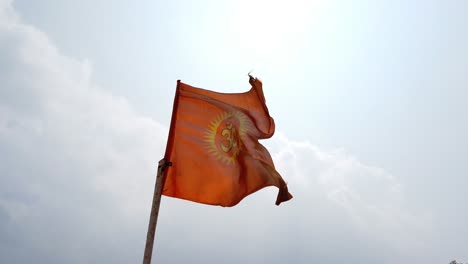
213 146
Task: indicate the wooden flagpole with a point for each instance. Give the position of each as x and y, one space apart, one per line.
160 178
163 164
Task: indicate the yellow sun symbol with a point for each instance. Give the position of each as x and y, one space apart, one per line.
224 136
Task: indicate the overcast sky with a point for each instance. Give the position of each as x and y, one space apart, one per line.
369 98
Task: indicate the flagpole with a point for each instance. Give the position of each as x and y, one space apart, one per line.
155 210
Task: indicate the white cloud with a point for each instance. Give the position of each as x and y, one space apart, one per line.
78 172
77 163
372 198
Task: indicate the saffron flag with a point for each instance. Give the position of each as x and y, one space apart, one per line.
213 146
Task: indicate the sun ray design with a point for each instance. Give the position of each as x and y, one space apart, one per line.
225 134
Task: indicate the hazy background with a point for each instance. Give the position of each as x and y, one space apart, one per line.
369 99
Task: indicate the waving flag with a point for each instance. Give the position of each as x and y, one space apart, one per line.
213 146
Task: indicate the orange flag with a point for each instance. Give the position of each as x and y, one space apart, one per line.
214 149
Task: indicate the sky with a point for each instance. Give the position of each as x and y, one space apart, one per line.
368 99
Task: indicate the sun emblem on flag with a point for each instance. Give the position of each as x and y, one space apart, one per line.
224 135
